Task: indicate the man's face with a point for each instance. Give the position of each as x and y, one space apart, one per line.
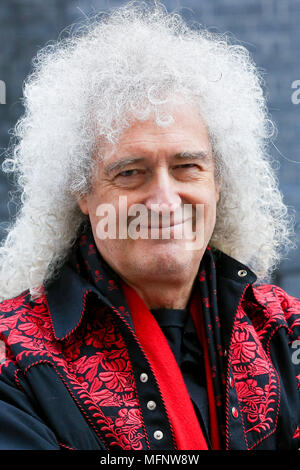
166 167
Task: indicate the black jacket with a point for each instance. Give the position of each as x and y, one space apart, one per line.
73 373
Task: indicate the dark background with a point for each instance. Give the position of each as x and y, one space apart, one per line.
270 29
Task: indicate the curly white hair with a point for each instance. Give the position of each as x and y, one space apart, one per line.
134 60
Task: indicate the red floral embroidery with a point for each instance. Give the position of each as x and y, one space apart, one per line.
298 379
112 285
102 380
243 350
92 250
128 423
255 379
279 307
105 337
12 304
297 433
98 276
95 362
7 323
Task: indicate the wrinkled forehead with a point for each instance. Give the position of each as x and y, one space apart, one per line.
182 130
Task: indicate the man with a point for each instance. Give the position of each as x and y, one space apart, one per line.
134 313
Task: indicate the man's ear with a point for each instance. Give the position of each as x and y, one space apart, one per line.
83 204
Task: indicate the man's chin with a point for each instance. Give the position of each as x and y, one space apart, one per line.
165 263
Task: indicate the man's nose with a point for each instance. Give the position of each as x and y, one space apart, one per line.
163 196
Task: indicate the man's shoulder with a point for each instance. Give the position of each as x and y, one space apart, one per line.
22 309
268 294
278 304
12 305
26 331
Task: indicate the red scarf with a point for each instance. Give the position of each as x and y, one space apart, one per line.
185 424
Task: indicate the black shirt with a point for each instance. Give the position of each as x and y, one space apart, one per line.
179 330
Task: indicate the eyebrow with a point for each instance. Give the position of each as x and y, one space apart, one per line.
201 155
119 165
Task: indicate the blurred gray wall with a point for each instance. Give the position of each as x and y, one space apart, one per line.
268 28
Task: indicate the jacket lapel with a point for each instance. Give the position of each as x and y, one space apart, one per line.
253 386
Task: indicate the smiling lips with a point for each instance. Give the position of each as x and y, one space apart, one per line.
161 224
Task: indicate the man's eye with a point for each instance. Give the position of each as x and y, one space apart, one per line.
126 173
186 165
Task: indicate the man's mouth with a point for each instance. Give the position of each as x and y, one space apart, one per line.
165 224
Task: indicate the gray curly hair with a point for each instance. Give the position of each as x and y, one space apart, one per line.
136 59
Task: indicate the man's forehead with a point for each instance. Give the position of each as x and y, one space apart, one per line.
188 135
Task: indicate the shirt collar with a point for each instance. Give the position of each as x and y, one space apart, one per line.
69 294
67 298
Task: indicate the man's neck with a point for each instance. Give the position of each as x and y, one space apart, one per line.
164 295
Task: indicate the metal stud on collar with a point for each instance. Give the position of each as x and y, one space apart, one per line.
242 273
